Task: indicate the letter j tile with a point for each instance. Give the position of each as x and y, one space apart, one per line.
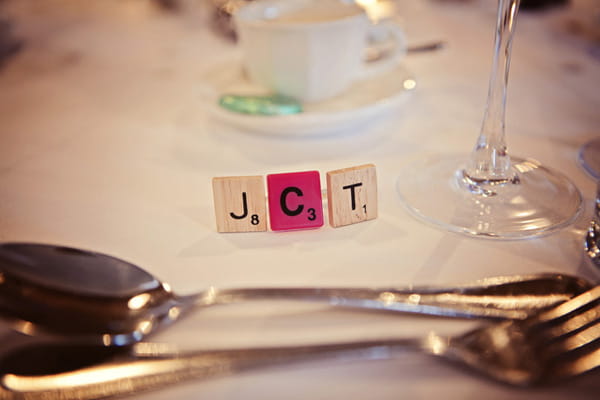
240 204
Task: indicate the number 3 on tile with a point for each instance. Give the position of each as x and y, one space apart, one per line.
295 200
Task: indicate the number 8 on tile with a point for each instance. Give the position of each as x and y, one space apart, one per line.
240 204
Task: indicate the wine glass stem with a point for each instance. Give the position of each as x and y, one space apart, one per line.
489 161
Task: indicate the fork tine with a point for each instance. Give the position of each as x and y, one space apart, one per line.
575 323
582 341
583 338
565 310
583 363
568 336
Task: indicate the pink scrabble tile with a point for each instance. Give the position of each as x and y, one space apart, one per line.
295 200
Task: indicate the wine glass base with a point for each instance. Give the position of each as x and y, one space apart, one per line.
589 158
539 202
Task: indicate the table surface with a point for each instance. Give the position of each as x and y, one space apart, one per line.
105 145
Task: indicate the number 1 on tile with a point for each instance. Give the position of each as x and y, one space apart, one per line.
352 195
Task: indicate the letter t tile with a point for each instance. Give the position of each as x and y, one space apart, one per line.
352 195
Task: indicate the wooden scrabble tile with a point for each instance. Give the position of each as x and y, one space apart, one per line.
352 195
240 203
295 200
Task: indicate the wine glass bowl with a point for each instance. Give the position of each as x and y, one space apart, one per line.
488 193
437 191
589 158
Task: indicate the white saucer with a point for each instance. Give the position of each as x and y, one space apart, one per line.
364 101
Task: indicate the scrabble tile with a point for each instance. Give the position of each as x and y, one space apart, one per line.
352 195
295 200
240 203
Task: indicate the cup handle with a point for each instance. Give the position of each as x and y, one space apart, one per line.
387 47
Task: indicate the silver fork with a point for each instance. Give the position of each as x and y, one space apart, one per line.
557 344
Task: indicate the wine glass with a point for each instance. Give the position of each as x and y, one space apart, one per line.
589 158
489 194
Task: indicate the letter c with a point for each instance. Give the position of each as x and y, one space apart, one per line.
282 201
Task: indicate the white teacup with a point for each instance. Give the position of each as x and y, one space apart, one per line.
310 49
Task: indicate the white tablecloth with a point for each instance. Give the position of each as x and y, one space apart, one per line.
104 145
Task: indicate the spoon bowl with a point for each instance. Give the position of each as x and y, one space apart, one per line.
56 290
94 298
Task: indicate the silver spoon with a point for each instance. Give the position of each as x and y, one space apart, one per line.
94 298
548 347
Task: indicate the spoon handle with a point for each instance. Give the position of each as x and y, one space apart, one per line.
501 297
142 373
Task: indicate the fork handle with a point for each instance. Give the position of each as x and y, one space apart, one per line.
502 298
142 372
